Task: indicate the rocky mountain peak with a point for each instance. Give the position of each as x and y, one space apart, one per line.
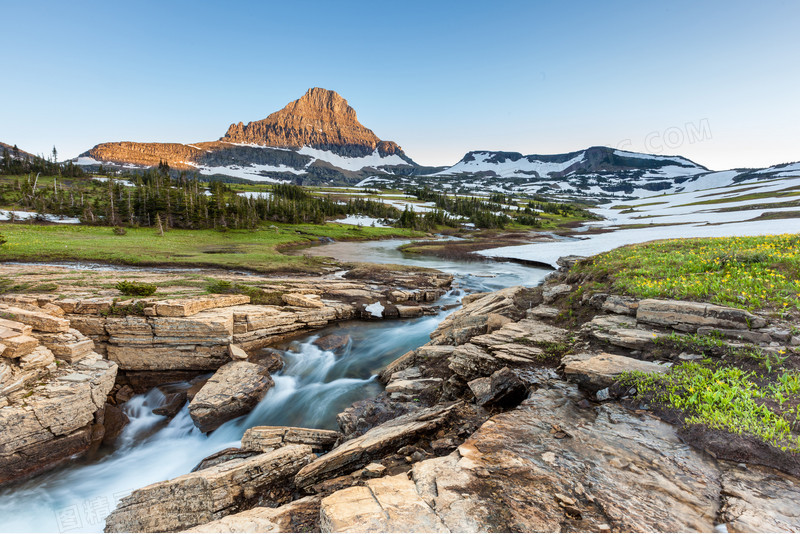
321 119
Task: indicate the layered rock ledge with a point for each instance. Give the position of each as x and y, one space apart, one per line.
68 360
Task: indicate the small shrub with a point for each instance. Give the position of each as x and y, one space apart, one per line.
136 289
118 230
3 240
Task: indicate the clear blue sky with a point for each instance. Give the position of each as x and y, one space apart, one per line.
439 78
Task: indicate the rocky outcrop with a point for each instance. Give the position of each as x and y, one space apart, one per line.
689 316
50 409
195 334
379 441
301 515
320 119
207 495
473 319
553 465
523 343
234 390
268 438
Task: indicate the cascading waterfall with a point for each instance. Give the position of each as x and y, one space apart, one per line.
313 387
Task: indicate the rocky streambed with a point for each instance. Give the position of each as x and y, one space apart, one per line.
177 344
512 417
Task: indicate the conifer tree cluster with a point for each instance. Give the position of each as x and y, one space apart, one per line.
482 213
15 161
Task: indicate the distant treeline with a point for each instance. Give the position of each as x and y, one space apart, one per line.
153 197
481 213
15 161
163 197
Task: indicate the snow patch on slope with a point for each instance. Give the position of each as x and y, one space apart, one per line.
352 164
508 167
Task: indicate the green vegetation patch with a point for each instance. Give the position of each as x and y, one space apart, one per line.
11 286
726 398
743 272
256 250
135 289
256 294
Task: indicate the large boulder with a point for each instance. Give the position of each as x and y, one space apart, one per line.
332 342
233 390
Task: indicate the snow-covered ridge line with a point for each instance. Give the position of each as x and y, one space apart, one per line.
655 157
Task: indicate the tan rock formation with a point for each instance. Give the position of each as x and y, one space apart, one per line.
52 421
268 438
320 118
206 495
360 451
297 516
388 504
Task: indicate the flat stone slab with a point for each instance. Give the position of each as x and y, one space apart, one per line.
189 307
41 321
377 442
268 438
388 504
601 370
303 300
689 316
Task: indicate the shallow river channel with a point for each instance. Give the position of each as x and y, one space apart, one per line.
311 389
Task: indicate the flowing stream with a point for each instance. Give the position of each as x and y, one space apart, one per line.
309 391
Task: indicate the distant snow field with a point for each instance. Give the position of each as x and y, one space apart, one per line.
5 215
352 164
361 220
671 217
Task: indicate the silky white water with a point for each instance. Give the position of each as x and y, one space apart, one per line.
313 387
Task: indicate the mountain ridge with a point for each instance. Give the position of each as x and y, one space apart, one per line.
320 119
318 140
317 136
